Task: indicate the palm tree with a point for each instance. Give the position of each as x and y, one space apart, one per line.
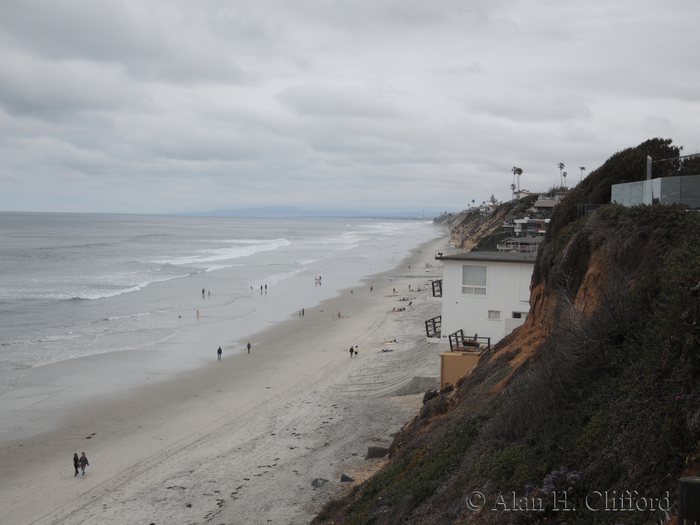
564 179
561 167
516 173
582 168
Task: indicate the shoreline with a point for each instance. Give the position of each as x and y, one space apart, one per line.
153 310
33 402
298 394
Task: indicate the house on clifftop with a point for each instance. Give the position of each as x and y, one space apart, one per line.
485 296
485 292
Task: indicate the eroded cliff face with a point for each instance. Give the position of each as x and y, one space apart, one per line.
552 302
602 378
596 263
468 228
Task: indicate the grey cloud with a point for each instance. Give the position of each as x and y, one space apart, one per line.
324 100
152 40
29 86
536 106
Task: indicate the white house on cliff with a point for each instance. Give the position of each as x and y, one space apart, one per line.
485 293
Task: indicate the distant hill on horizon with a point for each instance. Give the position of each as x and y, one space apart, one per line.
294 211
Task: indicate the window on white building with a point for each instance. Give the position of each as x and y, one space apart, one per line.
474 280
494 314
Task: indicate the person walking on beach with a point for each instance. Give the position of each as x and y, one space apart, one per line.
83 463
76 463
248 346
352 351
218 352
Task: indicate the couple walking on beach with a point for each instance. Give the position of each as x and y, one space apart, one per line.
80 462
218 352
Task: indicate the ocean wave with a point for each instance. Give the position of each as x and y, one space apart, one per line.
248 241
342 240
277 278
52 338
42 339
93 295
242 248
63 248
101 293
119 317
385 228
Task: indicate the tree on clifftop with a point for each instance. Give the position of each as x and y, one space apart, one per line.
516 173
561 167
628 165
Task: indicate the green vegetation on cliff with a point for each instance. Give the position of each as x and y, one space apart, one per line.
605 401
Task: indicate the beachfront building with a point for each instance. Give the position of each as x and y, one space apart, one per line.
485 293
667 190
521 194
487 208
525 227
531 227
545 205
520 244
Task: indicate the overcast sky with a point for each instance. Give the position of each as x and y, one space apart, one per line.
173 105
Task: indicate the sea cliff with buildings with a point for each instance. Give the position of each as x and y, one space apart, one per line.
579 403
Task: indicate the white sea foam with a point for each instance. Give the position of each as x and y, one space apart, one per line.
223 254
75 296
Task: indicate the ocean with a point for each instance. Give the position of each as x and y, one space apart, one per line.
74 285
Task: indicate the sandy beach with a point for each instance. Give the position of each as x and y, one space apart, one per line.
238 440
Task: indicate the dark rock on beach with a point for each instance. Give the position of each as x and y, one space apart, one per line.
376 452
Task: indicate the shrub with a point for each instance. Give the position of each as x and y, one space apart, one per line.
430 394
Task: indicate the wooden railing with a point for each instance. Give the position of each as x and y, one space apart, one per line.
433 327
460 343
